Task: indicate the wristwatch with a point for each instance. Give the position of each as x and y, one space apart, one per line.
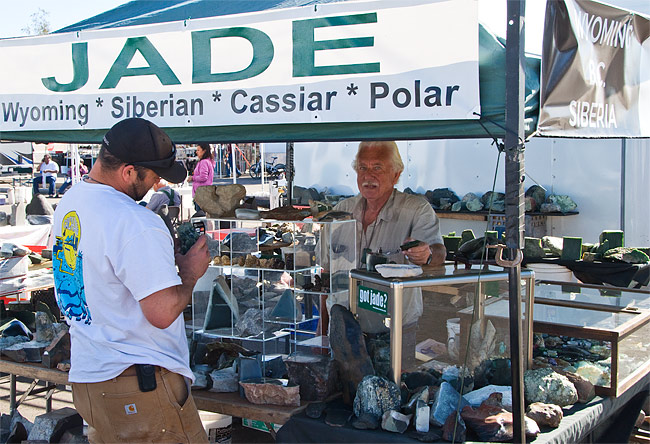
428 262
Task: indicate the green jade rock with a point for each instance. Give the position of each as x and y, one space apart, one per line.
451 243
466 236
616 238
554 244
571 248
533 248
627 255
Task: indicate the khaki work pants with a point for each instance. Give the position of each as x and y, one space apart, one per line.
117 411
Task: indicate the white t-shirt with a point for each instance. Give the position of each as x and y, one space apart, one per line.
49 169
108 254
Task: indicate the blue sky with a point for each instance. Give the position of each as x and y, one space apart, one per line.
16 15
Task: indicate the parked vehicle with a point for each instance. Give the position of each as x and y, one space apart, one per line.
271 169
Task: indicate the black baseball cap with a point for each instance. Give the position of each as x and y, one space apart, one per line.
139 142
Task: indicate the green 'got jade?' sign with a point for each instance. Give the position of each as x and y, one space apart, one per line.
372 300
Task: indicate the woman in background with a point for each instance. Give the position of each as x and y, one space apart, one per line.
203 171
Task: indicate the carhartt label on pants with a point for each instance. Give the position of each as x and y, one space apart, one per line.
130 409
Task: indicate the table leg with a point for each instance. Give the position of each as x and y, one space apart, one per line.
12 394
48 398
271 429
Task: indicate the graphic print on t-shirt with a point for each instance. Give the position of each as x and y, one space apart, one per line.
67 263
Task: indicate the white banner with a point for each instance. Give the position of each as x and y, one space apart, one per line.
342 62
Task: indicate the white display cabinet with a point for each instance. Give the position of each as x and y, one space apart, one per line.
268 282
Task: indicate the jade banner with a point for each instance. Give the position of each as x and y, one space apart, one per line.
360 61
595 79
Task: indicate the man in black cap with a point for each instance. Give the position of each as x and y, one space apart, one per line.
123 290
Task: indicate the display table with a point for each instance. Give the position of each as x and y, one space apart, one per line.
580 422
617 274
225 403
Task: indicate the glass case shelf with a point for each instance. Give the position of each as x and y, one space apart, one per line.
269 280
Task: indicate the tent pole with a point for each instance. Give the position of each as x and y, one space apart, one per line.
514 145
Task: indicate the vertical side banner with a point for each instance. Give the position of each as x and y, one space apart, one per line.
595 79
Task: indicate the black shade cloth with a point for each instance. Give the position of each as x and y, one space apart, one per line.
599 273
609 420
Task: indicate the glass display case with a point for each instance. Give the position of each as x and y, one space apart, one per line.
268 283
409 312
602 332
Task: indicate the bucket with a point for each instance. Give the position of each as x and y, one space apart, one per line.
453 337
217 426
552 272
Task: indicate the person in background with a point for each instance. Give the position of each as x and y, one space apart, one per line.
122 290
386 219
163 195
83 170
203 171
230 153
48 170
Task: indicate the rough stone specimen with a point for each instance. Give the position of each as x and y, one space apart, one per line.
315 375
49 427
495 200
558 203
422 413
187 236
414 380
481 345
554 244
268 393
39 206
6 342
593 373
530 204
219 200
44 328
224 381
586 390
438 194
302 196
58 350
287 308
250 324
454 429
472 202
533 248
545 414
492 423
445 403
547 386
627 255
477 397
286 213
421 394
200 380
349 351
375 396
239 242
394 421
538 194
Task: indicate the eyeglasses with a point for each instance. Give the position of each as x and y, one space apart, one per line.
167 162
